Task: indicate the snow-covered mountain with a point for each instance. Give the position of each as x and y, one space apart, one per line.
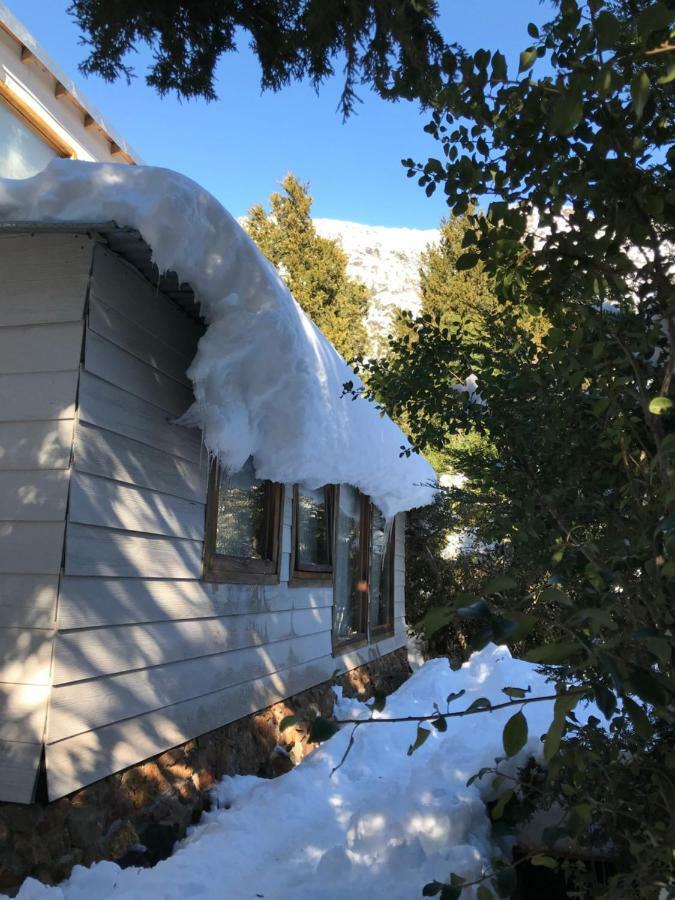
387 261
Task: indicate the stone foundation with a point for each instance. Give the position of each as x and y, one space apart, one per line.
136 816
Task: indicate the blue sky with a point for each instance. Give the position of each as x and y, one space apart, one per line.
242 145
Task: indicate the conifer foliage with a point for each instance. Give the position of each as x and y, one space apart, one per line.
313 267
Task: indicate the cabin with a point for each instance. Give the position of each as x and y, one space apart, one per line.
195 522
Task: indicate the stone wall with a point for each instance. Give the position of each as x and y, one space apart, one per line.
136 816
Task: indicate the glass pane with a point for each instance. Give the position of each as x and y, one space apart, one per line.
348 574
242 515
381 588
22 153
313 538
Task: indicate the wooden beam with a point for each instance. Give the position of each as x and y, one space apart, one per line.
60 90
26 54
88 120
115 149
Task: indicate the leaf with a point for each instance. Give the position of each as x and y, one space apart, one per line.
432 889
540 860
287 721
321 730
527 59
551 653
607 30
566 114
440 724
639 718
639 91
422 735
514 736
532 30
476 610
499 583
480 703
659 405
499 70
451 697
497 810
605 700
516 693
379 700
562 706
483 893
505 881
466 261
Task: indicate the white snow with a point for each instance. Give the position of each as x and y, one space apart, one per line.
382 826
267 384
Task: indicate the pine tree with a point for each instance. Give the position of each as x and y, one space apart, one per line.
313 267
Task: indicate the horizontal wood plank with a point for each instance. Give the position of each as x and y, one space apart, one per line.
116 410
18 770
100 452
37 396
31 548
23 712
120 286
89 654
28 600
40 348
99 501
36 445
88 705
116 366
44 278
101 551
34 494
116 328
25 656
91 602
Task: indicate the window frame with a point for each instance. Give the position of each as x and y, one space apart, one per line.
362 638
313 575
234 569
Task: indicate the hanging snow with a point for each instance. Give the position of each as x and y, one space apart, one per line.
267 383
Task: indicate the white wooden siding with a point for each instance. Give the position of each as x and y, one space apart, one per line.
43 292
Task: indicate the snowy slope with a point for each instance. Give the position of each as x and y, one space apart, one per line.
386 260
381 827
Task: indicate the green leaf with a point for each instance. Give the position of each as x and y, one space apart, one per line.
532 30
455 696
639 718
527 59
476 610
435 619
422 735
605 700
497 810
505 881
483 893
516 693
466 261
659 405
552 653
379 700
499 70
566 114
514 736
541 860
607 30
499 583
480 703
321 730
562 706
287 721
432 889
639 91
451 892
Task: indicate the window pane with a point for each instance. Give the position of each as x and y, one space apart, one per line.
348 575
242 515
381 587
314 527
22 153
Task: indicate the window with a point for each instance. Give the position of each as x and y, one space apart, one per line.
364 570
312 551
26 144
381 599
242 527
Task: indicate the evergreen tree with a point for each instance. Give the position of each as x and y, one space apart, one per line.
313 267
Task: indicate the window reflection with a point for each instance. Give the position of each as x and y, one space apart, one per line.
314 515
349 577
381 572
242 526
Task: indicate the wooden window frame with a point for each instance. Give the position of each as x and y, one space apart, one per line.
34 123
312 575
361 639
234 569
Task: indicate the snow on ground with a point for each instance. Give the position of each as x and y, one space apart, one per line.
382 826
267 383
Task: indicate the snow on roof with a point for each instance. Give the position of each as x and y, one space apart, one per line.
267 383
